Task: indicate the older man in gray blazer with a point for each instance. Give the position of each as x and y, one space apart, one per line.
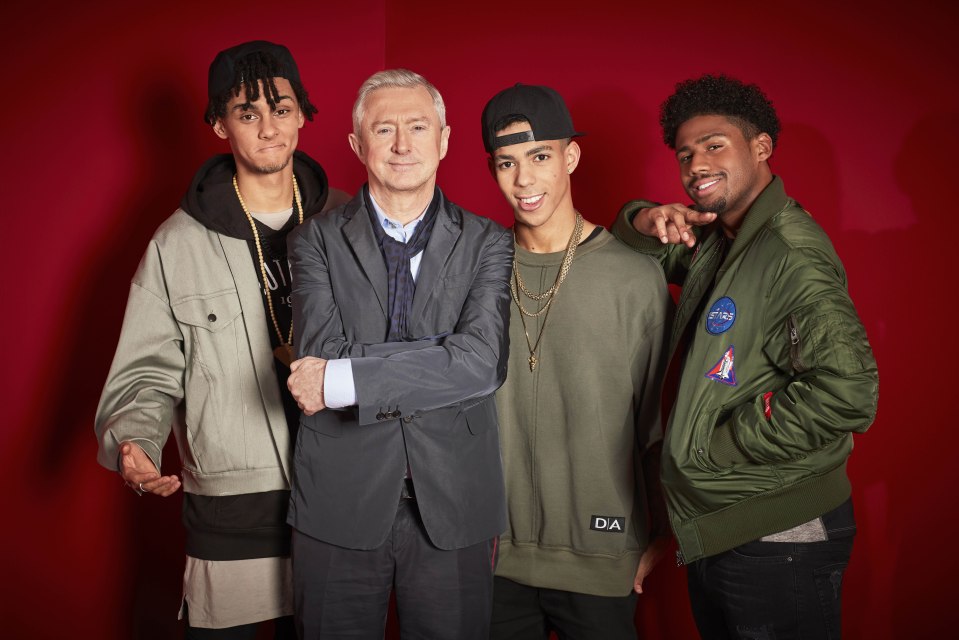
400 304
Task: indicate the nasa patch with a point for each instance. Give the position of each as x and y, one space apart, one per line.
721 316
725 370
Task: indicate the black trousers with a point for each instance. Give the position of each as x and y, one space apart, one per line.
345 593
521 612
770 591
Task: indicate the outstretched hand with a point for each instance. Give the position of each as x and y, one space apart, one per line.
141 474
671 223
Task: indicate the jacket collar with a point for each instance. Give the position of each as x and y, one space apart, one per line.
358 231
771 201
705 269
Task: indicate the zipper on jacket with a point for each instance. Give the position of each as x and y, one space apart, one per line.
795 344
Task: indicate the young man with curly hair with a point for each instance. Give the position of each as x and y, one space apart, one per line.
777 374
205 349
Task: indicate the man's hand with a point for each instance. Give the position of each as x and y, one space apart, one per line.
306 384
671 223
141 474
655 550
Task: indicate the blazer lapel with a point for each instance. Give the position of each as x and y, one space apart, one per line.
359 234
445 233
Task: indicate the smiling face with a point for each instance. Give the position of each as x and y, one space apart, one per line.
534 178
400 141
262 140
721 170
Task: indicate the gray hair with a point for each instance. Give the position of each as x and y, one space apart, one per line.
390 79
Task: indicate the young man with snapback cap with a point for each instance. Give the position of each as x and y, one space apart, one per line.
205 349
579 411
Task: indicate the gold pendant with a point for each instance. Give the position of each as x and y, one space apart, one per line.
532 361
284 353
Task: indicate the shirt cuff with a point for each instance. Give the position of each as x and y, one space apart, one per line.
339 391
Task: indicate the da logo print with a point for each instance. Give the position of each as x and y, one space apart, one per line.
612 524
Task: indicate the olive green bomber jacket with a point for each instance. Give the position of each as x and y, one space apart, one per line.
777 375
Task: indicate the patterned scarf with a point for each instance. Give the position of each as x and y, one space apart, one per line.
397 255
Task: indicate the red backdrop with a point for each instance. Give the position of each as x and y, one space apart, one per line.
103 131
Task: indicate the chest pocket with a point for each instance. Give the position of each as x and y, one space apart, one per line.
210 329
442 311
213 341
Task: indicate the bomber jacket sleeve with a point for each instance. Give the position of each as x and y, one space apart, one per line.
145 382
418 376
814 336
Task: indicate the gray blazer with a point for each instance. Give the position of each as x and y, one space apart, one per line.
429 401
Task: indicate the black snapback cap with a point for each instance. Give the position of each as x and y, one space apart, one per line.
542 107
223 68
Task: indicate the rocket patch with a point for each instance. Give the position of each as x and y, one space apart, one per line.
725 370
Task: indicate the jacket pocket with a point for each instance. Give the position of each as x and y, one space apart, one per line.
213 400
444 307
826 340
481 416
329 422
706 425
207 315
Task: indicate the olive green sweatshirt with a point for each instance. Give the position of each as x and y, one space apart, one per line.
573 432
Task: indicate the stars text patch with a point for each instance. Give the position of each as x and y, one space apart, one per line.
721 316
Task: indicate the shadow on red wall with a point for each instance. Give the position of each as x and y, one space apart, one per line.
151 556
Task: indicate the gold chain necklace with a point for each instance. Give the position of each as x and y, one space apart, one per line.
517 282
284 352
563 270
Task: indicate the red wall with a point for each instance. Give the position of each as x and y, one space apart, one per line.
103 130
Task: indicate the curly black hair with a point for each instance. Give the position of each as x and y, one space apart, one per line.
744 104
250 71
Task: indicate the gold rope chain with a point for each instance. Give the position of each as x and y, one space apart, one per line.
517 279
553 291
259 253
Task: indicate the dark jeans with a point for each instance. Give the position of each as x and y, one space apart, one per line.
345 593
529 613
770 591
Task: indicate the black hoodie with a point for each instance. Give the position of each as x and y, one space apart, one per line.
212 201
251 525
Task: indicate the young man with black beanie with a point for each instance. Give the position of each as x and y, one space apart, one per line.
580 408
205 349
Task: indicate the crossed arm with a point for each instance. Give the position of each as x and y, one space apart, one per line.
468 362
